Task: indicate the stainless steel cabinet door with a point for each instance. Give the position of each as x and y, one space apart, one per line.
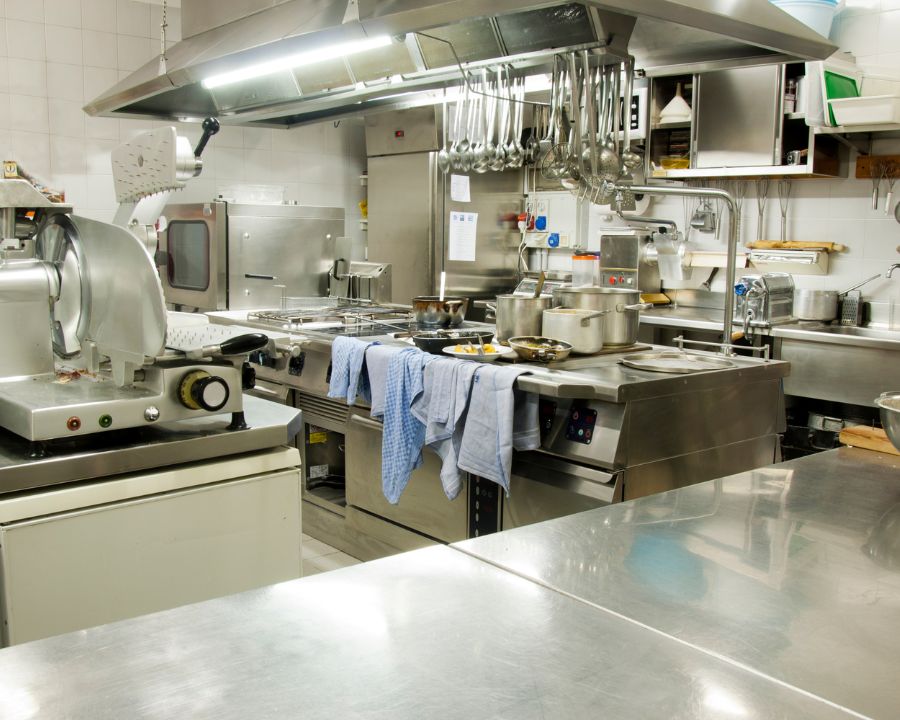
423 506
73 570
738 117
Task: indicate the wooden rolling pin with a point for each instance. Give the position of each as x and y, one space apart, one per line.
795 245
869 438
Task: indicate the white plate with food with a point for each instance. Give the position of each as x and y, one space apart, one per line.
492 351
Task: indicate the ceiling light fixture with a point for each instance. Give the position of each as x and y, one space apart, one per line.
290 62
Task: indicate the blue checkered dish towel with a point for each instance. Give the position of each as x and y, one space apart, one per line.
404 434
499 419
347 377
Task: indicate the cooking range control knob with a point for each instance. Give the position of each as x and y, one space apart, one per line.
201 391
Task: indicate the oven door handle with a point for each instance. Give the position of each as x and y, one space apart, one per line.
571 477
368 423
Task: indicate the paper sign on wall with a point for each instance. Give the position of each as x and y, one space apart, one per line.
463 229
459 188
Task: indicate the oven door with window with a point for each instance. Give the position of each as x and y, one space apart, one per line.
544 487
192 258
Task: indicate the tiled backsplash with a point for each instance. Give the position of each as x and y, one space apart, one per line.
55 55
834 210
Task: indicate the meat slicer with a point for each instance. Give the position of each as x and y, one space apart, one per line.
84 324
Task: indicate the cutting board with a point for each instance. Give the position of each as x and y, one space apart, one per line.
869 438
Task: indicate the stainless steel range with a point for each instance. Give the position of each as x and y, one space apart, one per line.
609 433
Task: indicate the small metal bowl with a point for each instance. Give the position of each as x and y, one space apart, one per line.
889 402
539 348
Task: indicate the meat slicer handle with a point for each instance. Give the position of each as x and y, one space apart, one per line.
243 344
210 127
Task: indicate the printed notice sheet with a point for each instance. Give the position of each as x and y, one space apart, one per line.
459 188
463 228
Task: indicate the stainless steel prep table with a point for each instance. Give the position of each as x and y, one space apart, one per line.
772 569
433 633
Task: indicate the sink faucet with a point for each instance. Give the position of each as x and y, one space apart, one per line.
891 269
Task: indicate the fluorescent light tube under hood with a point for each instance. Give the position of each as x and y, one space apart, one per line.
329 52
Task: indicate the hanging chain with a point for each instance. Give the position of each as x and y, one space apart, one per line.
162 38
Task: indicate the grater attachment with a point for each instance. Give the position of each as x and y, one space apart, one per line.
851 308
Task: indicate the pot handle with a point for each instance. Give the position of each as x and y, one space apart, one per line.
586 319
636 306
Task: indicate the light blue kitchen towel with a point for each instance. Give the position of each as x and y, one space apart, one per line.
378 357
347 377
499 419
442 408
404 434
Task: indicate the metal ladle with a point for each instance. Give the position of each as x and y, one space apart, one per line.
443 158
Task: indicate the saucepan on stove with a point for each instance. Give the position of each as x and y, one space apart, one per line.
432 310
434 341
582 329
620 327
542 349
518 315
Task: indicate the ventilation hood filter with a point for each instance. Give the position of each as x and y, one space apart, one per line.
662 35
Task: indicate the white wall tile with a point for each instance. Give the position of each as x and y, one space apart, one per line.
97 156
27 77
32 150
28 113
101 128
4 46
75 187
229 162
63 44
25 40
66 118
32 10
98 15
65 82
97 81
63 12
228 136
134 51
258 138
66 156
101 191
132 18
100 49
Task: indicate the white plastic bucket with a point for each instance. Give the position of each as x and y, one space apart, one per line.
815 14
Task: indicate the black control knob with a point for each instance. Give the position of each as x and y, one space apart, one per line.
201 391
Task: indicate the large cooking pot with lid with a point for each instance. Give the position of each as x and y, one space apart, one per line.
620 326
518 315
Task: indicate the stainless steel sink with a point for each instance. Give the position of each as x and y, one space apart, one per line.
839 363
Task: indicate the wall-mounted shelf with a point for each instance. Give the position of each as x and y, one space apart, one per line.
761 171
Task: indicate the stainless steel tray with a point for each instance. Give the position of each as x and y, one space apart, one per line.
674 361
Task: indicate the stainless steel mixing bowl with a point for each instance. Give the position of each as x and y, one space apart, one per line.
889 402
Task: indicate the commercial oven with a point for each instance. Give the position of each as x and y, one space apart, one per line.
232 256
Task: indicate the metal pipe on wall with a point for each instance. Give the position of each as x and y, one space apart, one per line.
729 200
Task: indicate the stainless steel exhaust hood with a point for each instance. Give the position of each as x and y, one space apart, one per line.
428 38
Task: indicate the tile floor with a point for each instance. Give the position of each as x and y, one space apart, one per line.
317 557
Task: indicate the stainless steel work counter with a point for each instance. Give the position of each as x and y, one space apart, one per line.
790 571
429 634
114 453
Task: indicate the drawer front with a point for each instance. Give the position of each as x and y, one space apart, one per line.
423 506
